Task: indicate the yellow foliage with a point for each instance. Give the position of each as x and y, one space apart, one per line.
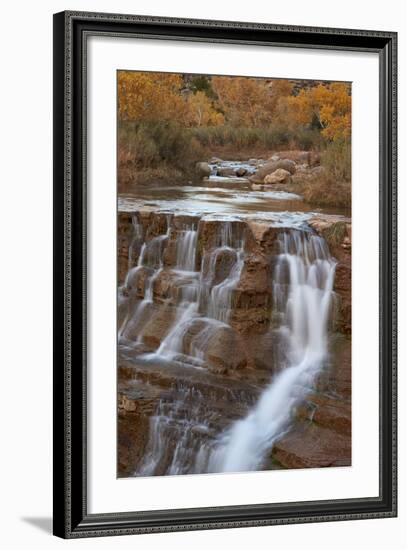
150 96
330 105
201 112
244 101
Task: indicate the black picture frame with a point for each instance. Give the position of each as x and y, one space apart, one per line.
71 518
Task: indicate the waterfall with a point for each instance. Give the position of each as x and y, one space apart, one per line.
201 297
200 302
303 283
186 250
150 261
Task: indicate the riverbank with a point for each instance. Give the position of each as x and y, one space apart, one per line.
310 174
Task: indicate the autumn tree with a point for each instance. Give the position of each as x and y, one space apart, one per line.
201 111
329 106
150 96
244 101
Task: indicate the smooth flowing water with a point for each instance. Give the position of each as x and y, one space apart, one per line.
302 283
303 294
194 430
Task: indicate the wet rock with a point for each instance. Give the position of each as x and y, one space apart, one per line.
133 424
270 167
124 236
169 286
203 169
240 172
226 172
262 237
252 296
343 288
311 446
225 351
278 176
185 221
335 379
158 223
136 281
217 267
337 231
160 321
213 232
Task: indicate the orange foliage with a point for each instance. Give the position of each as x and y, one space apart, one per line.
330 105
150 96
201 112
145 97
244 101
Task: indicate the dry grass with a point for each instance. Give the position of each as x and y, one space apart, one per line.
335 234
323 190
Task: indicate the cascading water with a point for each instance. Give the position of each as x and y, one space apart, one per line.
150 261
303 290
180 440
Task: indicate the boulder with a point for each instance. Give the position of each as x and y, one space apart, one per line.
225 351
240 172
226 172
270 167
203 169
160 321
279 176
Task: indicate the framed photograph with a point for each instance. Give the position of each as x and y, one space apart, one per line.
224 274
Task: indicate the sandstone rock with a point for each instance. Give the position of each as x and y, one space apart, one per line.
343 287
311 446
262 236
185 221
336 378
203 169
215 160
328 412
169 285
158 223
252 296
136 281
220 265
210 231
225 351
271 167
278 176
124 234
133 423
159 324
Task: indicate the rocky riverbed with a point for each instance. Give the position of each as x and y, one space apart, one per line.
204 322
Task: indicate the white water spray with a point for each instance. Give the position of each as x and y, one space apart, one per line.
303 283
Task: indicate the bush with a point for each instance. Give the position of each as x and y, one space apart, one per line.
336 159
272 137
150 145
